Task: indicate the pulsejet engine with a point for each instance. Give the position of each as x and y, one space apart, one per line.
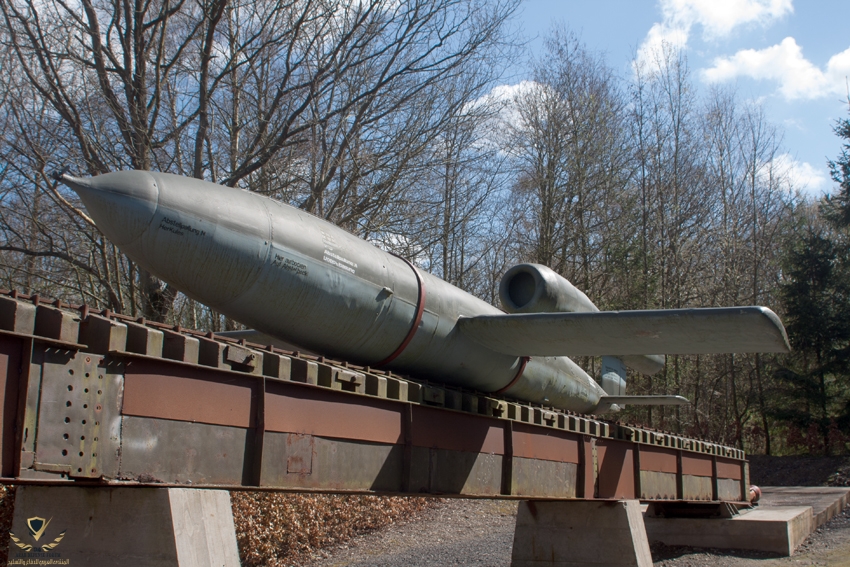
534 288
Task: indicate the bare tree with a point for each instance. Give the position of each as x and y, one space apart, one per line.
328 104
571 149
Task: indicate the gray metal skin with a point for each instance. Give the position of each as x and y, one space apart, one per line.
291 275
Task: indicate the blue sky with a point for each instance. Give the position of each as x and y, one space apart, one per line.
792 56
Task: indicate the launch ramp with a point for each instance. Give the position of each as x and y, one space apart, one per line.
101 398
113 419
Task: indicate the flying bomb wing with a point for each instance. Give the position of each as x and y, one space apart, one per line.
669 331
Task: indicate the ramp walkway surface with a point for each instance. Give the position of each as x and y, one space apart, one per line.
784 518
826 501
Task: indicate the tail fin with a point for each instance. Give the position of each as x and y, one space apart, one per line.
614 384
613 376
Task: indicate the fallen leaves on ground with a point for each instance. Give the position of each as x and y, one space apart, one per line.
277 530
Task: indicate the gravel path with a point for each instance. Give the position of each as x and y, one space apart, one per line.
458 532
480 533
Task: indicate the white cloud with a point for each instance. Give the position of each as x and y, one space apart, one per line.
797 175
506 94
502 102
790 123
502 98
784 63
717 18
658 36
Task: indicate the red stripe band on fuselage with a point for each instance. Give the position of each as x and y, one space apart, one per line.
420 308
523 362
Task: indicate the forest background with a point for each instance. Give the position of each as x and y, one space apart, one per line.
382 117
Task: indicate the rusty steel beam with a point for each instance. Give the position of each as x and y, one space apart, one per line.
103 399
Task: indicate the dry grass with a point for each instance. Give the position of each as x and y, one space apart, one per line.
278 530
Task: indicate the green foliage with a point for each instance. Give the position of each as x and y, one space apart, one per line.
812 397
815 296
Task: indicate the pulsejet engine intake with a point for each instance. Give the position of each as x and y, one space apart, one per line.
534 288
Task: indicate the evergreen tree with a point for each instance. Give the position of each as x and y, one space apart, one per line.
816 297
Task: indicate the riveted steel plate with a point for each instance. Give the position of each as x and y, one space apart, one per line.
438 471
696 487
693 465
10 369
658 459
299 454
438 428
78 424
291 408
729 489
157 389
549 445
657 485
727 468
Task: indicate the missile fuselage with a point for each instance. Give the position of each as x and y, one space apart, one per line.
301 279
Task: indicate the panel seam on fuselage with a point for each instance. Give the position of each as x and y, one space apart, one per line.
420 309
523 362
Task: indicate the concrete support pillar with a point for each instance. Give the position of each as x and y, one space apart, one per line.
565 533
123 526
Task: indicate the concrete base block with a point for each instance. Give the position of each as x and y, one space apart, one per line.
566 533
778 530
123 526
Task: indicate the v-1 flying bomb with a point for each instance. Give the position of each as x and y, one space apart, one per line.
297 278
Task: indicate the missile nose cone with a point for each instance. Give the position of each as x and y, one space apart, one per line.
75 183
122 204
